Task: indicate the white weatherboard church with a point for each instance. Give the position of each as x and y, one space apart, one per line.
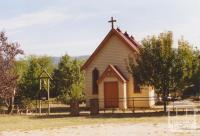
107 78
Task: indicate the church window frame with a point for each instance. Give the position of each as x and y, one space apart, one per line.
136 87
95 77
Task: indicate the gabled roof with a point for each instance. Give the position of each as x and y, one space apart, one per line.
128 40
45 74
115 72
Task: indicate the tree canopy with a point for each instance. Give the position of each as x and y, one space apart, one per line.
29 83
66 76
159 65
8 76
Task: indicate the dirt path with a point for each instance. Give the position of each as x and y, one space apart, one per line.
122 129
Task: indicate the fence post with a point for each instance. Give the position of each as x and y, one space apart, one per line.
48 107
94 106
40 106
112 101
36 109
133 106
48 95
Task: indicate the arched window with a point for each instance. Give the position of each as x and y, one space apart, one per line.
136 87
95 77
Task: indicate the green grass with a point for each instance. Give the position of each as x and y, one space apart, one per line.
15 122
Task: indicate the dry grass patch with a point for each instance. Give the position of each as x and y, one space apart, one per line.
35 122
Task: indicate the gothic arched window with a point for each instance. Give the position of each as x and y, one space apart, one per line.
136 87
95 77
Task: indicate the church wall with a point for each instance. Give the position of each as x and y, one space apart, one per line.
143 99
114 52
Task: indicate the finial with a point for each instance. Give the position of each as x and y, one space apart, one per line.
118 29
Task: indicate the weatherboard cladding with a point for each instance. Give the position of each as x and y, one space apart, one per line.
128 40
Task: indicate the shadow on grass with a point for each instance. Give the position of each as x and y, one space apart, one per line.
52 116
112 115
101 115
61 109
140 115
128 115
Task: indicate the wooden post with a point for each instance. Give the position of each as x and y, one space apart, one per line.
36 107
48 96
40 107
40 84
133 106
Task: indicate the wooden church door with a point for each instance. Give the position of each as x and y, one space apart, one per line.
111 95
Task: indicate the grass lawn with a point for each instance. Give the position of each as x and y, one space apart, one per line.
16 122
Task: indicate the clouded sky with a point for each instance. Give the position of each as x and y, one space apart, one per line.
76 27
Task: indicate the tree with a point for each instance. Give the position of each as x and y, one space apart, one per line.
194 80
29 84
187 56
75 95
67 73
68 82
8 76
157 65
21 67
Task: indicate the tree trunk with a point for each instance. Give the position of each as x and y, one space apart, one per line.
165 100
74 108
11 105
165 105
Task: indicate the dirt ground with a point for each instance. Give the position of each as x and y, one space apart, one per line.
108 129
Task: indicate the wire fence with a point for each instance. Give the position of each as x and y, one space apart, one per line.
142 104
120 105
41 107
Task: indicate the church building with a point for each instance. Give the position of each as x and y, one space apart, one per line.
107 77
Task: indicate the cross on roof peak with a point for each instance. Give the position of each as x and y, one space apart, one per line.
112 22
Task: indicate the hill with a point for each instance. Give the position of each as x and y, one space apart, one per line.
56 60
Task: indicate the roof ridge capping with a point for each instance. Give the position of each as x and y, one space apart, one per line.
129 37
118 29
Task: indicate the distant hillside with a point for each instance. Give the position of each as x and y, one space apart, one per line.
56 60
84 57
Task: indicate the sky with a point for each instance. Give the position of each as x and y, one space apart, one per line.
76 27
